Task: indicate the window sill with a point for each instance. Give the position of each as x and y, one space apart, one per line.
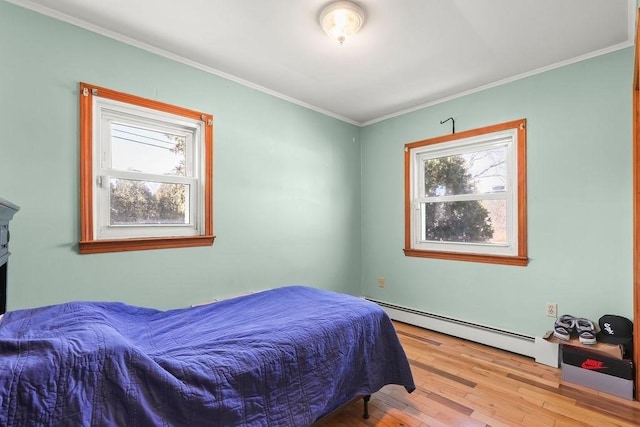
123 245
521 261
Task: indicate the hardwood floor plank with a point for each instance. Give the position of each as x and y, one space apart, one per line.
452 377
540 395
418 337
489 420
538 420
457 407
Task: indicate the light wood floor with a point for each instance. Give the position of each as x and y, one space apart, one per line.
460 383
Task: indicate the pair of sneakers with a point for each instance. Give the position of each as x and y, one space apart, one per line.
566 324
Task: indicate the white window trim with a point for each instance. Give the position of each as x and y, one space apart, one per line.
506 139
106 111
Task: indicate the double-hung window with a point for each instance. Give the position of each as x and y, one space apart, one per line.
465 196
146 173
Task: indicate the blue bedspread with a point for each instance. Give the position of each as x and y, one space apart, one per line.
283 357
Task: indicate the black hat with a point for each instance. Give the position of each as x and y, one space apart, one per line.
615 329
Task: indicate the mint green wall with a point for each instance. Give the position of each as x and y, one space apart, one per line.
287 179
291 205
579 202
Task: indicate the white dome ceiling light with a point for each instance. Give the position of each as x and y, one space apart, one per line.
341 19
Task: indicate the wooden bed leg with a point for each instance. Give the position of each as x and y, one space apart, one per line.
366 406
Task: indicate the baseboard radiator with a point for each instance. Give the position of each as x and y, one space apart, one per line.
505 340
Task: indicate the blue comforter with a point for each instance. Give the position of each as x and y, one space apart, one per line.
283 357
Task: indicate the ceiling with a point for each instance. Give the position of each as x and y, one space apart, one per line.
408 54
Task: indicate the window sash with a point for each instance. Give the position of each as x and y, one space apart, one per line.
117 144
475 145
106 230
106 115
419 230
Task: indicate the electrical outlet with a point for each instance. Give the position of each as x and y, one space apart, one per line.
381 282
552 309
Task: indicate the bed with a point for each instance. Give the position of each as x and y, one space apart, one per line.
282 357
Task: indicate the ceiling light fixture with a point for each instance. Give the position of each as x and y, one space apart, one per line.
341 20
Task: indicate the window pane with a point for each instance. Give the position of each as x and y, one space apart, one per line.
475 221
143 202
143 150
472 173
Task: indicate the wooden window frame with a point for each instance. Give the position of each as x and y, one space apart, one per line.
88 243
636 206
521 258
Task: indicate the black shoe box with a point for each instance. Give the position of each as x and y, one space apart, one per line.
592 369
